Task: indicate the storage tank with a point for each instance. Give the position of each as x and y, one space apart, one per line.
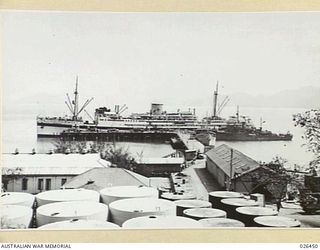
15 217
186 204
123 210
17 198
112 194
204 213
61 211
62 195
247 214
161 222
80 224
276 221
221 222
178 196
230 205
216 197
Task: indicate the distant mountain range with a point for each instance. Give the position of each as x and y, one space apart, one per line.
305 97
48 104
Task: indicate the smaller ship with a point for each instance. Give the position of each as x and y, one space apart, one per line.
238 128
242 129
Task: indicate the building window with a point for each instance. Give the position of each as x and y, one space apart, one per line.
24 184
48 184
40 184
63 181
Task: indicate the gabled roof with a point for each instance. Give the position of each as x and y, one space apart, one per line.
99 178
241 163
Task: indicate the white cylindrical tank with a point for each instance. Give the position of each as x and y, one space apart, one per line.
203 213
123 210
215 197
186 204
276 221
80 224
178 196
161 222
62 195
230 205
111 194
17 198
247 214
15 217
221 222
61 211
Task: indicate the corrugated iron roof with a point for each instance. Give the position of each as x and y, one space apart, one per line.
162 160
99 178
49 160
55 164
241 163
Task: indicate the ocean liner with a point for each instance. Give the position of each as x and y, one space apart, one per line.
107 119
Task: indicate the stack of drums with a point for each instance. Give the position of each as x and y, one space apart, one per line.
123 210
161 222
204 213
17 198
178 196
221 222
15 217
276 221
230 205
216 197
186 204
247 214
61 211
111 194
80 224
63 195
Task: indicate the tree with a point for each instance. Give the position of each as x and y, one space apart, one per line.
10 174
310 121
118 156
271 179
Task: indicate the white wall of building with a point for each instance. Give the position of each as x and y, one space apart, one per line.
16 185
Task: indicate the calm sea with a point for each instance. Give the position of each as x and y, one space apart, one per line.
19 131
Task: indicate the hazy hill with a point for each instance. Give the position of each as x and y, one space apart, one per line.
306 97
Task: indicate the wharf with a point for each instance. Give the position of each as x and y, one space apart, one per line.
178 140
190 143
115 135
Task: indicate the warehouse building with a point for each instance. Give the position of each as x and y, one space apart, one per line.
34 173
235 171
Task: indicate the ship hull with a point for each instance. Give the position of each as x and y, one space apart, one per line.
55 129
246 137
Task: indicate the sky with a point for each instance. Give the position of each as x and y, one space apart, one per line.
139 58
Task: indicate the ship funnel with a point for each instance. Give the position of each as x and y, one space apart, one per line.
156 109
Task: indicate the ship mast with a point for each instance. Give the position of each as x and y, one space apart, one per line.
74 104
215 100
238 120
75 111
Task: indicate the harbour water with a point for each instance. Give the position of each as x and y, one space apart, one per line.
19 131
